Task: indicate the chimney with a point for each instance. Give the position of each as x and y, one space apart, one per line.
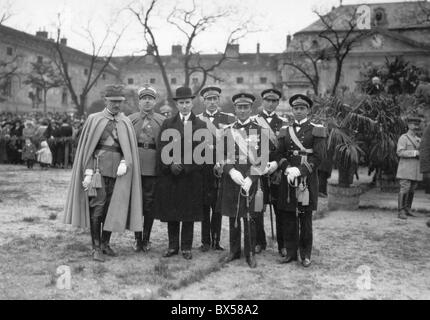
258 48
42 34
232 50
288 41
257 57
63 41
176 50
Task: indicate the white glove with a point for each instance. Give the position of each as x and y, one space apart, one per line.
247 183
237 177
417 153
292 173
271 167
122 169
87 181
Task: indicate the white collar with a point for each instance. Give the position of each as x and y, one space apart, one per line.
269 114
301 122
185 117
244 123
211 114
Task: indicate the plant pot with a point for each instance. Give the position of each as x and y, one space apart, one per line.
343 198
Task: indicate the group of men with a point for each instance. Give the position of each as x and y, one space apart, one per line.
129 171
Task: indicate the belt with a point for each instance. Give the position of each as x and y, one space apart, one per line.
302 153
146 145
109 148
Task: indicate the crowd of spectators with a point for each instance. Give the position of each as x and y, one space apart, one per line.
59 130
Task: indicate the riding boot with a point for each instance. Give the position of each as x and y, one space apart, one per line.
95 228
106 249
402 205
410 199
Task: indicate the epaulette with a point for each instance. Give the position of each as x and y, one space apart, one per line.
228 114
285 120
319 131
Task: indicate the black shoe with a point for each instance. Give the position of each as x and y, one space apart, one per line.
217 247
146 246
410 213
137 246
107 250
187 255
306 262
258 249
283 252
252 262
98 255
205 247
169 253
288 259
230 257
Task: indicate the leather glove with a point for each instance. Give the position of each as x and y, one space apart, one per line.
237 177
87 179
176 169
122 169
247 183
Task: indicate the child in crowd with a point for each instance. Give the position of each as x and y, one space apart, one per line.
29 153
44 156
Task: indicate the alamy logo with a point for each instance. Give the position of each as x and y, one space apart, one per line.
232 146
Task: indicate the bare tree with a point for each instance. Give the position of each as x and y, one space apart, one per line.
97 63
45 77
5 11
191 23
306 61
341 40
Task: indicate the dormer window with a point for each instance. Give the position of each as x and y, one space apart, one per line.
380 18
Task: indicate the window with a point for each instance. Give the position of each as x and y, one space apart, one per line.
9 51
39 59
86 72
263 80
7 87
130 81
152 80
173 81
239 80
103 76
64 97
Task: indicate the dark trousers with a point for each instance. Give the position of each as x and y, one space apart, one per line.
211 227
322 181
259 230
249 236
30 164
186 235
280 226
148 191
99 206
297 233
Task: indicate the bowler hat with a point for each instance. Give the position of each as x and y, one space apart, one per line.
183 93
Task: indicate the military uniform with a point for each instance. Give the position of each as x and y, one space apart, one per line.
147 127
296 202
233 200
270 183
211 226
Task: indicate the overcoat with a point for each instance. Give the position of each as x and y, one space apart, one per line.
125 209
409 164
179 197
425 151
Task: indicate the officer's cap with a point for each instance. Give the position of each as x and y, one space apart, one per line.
114 92
413 119
210 92
300 100
147 90
243 99
271 94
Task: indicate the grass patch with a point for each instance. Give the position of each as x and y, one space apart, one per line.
77 246
99 270
78 269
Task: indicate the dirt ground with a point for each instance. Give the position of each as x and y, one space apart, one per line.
365 254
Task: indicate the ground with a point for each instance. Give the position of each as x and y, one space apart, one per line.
364 254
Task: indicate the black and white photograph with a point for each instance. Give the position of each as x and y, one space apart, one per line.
232 152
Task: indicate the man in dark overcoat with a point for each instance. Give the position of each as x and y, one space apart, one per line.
425 158
179 191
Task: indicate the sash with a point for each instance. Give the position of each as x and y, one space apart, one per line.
415 146
301 147
243 147
272 136
211 127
